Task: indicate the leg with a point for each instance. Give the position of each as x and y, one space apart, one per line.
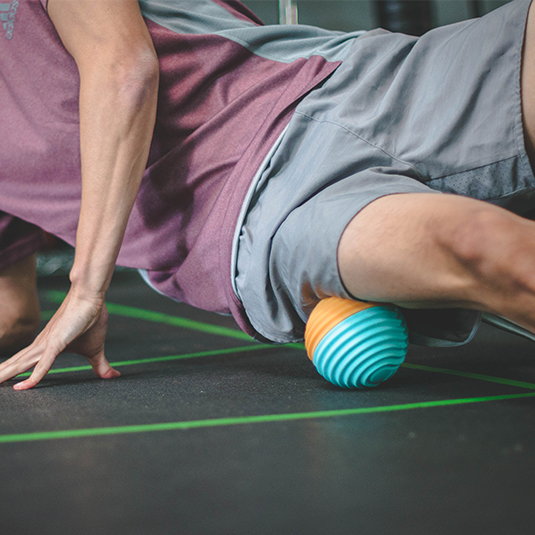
19 305
441 251
427 251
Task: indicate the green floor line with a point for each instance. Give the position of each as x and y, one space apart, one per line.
470 375
47 314
168 319
159 317
244 349
167 358
139 313
172 426
152 316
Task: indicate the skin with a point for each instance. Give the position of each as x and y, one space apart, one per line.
19 306
415 250
427 250
119 73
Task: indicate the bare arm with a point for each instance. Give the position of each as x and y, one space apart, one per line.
118 71
119 80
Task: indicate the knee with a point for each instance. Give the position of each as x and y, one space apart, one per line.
19 305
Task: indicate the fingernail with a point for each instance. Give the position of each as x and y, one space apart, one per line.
20 386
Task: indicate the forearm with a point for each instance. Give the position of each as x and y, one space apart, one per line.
116 123
119 71
117 114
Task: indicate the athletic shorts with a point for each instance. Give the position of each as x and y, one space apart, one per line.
439 113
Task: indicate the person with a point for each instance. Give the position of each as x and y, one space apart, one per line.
256 169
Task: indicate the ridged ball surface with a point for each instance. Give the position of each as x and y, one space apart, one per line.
363 350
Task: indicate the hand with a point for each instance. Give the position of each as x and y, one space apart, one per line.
79 326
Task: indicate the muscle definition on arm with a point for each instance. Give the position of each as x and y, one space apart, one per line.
118 93
119 74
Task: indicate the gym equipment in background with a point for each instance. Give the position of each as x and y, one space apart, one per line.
412 17
475 8
287 12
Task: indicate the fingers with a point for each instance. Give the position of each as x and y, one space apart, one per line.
102 367
38 353
79 325
99 363
42 368
19 363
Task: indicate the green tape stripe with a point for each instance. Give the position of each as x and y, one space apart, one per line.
168 358
47 314
173 426
167 319
470 375
446 371
148 315
162 359
159 317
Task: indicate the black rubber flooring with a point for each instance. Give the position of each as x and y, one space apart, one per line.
207 432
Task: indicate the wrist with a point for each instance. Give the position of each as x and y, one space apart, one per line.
87 291
88 283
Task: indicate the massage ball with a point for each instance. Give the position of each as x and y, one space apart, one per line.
355 344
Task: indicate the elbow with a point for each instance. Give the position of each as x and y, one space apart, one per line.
146 69
132 75
137 77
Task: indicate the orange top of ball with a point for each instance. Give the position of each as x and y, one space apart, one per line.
328 313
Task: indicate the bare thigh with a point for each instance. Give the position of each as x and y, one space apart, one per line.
441 251
427 250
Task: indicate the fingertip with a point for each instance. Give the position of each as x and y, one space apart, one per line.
108 373
111 374
102 368
23 385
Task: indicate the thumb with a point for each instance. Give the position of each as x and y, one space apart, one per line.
101 367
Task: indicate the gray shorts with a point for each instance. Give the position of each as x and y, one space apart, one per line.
441 113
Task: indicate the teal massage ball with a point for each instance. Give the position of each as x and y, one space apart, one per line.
355 344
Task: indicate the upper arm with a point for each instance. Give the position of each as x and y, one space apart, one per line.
99 30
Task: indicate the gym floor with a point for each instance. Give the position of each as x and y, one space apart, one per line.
208 432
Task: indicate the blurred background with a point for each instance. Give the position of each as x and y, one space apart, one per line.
349 15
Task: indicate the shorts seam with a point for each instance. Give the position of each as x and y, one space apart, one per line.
421 178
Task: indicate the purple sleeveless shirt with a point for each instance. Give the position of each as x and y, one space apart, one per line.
228 87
